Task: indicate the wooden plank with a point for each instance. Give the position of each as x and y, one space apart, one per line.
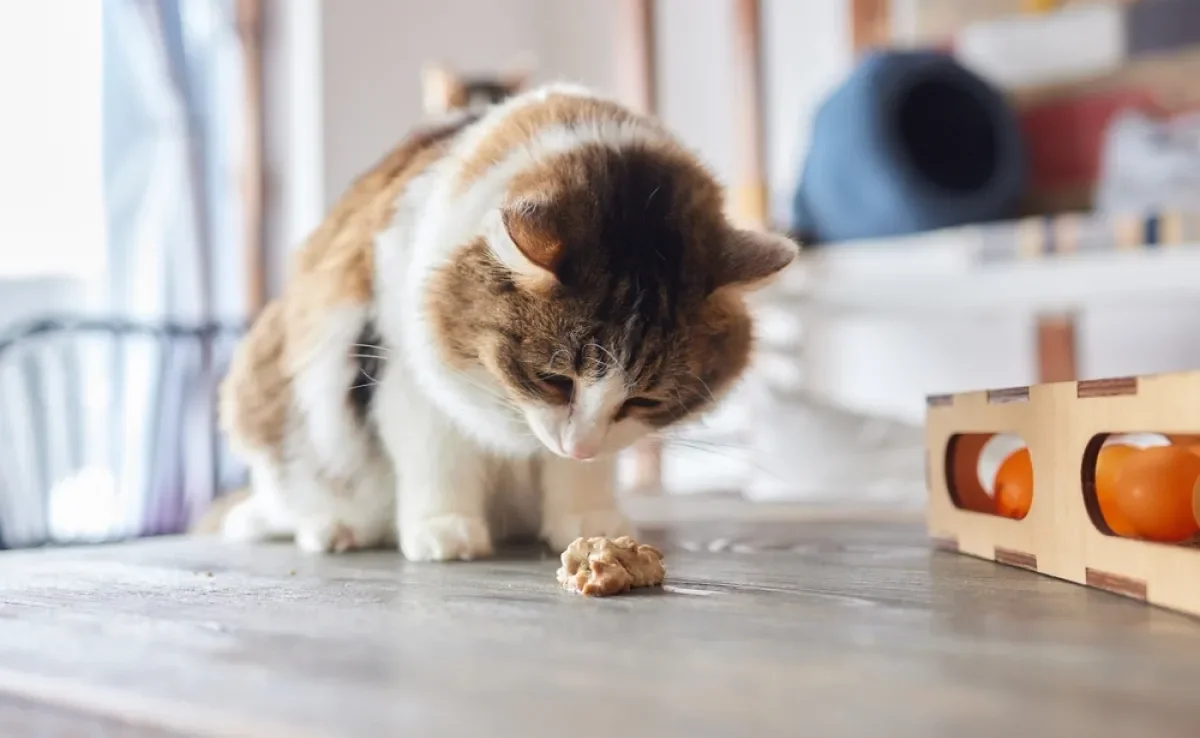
253 182
870 24
750 189
1056 348
27 717
1008 394
1126 586
637 72
759 623
1114 387
1019 559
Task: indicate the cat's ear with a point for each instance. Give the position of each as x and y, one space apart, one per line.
440 88
523 244
750 259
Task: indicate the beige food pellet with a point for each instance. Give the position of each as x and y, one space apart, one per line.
599 567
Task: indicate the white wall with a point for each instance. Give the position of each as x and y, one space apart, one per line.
343 81
343 85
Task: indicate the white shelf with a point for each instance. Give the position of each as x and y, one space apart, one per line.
943 275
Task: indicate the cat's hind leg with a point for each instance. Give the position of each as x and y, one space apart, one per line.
262 515
320 513
354 512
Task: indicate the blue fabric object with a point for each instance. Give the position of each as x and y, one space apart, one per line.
911 141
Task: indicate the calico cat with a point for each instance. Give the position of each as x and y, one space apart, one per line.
485 318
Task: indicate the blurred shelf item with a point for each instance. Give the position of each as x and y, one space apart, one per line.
1040 265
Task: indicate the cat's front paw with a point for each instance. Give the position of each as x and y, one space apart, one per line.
446 538
561 531
329 536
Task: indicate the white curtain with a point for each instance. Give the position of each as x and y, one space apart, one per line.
172 123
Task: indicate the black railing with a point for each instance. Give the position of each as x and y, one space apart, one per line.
108 427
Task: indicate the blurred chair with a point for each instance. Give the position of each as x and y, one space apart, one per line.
108 428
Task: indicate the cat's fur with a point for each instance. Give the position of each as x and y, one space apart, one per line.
533 288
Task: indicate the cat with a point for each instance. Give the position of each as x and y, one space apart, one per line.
485 318
445 90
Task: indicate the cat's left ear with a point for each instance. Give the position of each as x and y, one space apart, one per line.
749 259
440 88
524 245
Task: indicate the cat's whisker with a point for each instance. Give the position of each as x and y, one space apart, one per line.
371 381
741 459
711 396
556 354
497 394
370 347
677 396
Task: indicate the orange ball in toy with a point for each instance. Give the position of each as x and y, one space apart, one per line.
1154 490
1013 488
1108 465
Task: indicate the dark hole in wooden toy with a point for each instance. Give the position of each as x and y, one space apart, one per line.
1087 477
967 492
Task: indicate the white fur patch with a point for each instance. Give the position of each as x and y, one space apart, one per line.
323 379
588 428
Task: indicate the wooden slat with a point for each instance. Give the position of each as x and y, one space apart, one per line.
870 24
1011 557
750 190
637 73
249 20
1126 586
1008 394
1056 348
942 543
1112 387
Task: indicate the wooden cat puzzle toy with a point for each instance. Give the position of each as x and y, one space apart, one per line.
1075 501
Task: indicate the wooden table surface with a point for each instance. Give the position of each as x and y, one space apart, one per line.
766 629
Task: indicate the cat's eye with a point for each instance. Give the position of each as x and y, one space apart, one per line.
644 403
561 385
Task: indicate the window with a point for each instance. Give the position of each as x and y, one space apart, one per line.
51 196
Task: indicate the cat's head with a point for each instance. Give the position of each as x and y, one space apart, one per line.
604 297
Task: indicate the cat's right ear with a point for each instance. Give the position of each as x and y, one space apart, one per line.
524 245
750 259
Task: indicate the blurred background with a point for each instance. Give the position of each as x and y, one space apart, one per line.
991 193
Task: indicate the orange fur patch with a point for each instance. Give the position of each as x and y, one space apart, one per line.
334 268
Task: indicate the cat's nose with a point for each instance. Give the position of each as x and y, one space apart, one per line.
581 451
